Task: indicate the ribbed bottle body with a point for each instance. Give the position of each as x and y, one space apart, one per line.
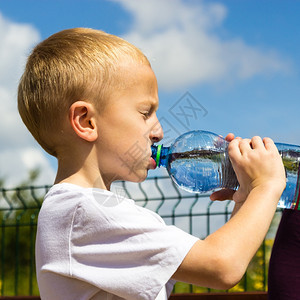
290 155
198 162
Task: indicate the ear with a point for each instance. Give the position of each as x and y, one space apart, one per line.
82 118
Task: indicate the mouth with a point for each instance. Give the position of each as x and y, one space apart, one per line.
152 163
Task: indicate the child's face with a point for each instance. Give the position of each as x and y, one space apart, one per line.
128 126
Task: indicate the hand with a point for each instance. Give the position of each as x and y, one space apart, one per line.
256 163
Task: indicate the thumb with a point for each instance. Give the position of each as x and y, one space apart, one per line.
224 194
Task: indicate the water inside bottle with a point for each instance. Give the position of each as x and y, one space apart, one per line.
202 170
290 160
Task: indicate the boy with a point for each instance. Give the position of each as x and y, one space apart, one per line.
88 97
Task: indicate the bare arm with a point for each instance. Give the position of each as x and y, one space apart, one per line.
221 259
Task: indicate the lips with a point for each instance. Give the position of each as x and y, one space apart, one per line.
152 163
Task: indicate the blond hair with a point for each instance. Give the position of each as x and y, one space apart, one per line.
71 65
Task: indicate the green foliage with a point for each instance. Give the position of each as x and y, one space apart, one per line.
18 212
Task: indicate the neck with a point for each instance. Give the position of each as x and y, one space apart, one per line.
82 170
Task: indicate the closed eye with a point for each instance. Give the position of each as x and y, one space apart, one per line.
146 114
147 110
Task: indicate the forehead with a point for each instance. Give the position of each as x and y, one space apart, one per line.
132 74
134 84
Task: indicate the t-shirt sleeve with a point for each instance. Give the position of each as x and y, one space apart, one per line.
125 250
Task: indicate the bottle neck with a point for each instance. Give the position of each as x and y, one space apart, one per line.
160 154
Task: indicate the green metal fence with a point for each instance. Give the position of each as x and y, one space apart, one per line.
19 208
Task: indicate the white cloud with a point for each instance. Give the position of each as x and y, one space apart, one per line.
19 153
17 162
180 38
16 42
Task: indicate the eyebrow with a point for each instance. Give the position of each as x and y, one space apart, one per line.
151 102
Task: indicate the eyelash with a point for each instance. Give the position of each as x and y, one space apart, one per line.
146 115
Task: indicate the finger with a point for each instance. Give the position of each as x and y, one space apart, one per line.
229 137
234 149
256 142
224 194
245 145
269 144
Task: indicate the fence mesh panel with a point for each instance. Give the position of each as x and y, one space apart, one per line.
194 213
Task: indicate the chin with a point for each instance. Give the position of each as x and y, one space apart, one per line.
137 176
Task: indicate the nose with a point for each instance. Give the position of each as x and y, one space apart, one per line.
156 132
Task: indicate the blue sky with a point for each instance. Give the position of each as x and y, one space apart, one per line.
223 66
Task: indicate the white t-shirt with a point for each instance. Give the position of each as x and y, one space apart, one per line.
94 244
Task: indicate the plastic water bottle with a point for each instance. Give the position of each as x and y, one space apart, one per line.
198 162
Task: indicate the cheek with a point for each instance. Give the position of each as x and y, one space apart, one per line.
124 133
